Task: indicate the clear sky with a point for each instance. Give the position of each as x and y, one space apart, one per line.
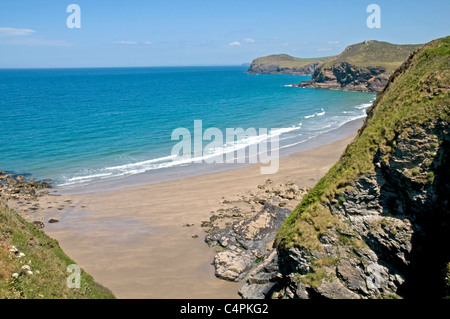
33 33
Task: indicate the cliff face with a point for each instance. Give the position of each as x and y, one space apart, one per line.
378 224
364 66
345 76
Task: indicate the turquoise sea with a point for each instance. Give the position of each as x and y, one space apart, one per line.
80 126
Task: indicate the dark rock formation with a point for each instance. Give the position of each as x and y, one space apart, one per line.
16 187
261 282
345 76
364 66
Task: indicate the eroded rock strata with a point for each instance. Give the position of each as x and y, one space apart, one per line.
378 224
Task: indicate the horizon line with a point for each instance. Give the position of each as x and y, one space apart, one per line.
123 67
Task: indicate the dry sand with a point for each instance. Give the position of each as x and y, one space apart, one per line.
135 240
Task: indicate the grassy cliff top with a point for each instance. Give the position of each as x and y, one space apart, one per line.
44 258
417 93
287 61
375 53
369 53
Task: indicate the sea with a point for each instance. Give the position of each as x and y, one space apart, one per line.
80 127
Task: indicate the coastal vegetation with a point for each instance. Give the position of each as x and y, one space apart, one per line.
394 173
33 265
374 53
364 66
408 102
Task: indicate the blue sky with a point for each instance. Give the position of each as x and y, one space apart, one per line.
113 33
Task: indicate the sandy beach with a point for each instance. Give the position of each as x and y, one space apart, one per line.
146 241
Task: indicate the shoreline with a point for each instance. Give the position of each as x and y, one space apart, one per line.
193 170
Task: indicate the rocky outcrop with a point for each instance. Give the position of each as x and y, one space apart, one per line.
246 206
378 223
28 195
347 77
243 239
391 224
13 186
364 66
261 281
245 242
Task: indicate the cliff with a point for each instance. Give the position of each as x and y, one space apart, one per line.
365 66
378 224
284 64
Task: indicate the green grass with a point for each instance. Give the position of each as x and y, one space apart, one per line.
344 239
46 259
405 102
376 53
314 279
431 177
341 201
287 61
308 226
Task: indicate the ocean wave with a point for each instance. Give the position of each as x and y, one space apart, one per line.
336 123
174 160
84 179
251 140
364 106
310 128
79 178
155 160
315 114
